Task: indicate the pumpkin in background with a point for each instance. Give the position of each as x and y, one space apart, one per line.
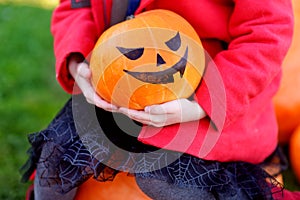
287 99
294 152
122 187
151 59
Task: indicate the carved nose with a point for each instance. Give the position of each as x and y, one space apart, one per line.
159 60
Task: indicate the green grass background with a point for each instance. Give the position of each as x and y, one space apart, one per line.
29 93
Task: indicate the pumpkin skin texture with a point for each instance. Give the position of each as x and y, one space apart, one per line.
287 99
151 59
294 151
122 187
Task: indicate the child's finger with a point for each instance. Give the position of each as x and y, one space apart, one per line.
165 108
84 70
144 117
99 102
135 114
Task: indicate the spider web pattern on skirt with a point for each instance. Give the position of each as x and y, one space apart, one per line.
65 160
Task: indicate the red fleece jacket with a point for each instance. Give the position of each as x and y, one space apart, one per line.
247 41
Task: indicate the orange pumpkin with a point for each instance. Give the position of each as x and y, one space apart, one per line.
122 187
153 58
287 99
294 152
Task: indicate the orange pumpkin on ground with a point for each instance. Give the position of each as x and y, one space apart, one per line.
287 99
122 187
294 151
151 59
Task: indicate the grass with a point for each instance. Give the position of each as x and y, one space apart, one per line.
29 93
40 3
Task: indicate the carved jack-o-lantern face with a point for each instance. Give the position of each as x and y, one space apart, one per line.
159 77
154 58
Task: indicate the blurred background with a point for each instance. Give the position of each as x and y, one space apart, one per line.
29 93
30 96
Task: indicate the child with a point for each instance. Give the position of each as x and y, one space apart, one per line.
232 110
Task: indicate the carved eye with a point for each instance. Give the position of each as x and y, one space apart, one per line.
131 53
174 43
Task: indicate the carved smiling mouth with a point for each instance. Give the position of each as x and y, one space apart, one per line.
162 77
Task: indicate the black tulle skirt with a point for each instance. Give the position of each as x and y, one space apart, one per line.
84 141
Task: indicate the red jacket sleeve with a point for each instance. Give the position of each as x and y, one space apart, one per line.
261 33
74 30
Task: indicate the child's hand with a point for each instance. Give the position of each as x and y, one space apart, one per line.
82 75
177 111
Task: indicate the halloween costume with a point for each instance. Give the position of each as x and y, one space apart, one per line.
247 41
255 67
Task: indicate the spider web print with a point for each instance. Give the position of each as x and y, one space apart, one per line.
64 160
